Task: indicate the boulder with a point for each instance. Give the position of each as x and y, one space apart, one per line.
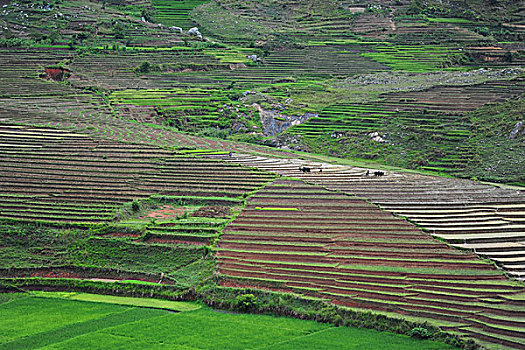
519 127
254 58
176 29
376 137
195 31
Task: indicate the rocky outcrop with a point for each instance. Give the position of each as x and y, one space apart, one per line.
176 29
274 123
195 32
254 58
374 136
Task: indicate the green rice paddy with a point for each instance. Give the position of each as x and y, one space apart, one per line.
82 321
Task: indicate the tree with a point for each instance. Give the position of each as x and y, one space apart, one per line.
118 30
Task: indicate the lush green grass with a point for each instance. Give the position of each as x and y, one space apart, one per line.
67 324
345 338
37 247
54 320
412 58
110 299
46 315
448 20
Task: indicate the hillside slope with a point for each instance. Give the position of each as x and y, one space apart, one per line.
142 158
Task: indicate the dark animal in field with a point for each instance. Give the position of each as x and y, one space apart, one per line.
379 173
367 173
304 169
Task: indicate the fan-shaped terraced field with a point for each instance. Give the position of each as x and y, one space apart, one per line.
466 214
302 238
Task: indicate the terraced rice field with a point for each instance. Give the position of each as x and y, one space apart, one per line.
436 114
57 176
437 30
299 24
176 13
190 108
25 100
78 156
79 18
469 215
201 232
302 238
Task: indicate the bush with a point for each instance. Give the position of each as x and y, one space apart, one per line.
246 302
118 31
420 333
135 206
15 42
146 67
415 7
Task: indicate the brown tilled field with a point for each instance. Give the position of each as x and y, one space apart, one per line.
346 250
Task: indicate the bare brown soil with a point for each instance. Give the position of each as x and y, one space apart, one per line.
320 255
164 212
212 212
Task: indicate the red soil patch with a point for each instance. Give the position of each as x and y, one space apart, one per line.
57 74
173 241
55 274
212 212
120 234
164 212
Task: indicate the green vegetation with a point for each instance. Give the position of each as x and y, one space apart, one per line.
496 152
175 13
90 324
138 257
126 301
190 110
32 247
